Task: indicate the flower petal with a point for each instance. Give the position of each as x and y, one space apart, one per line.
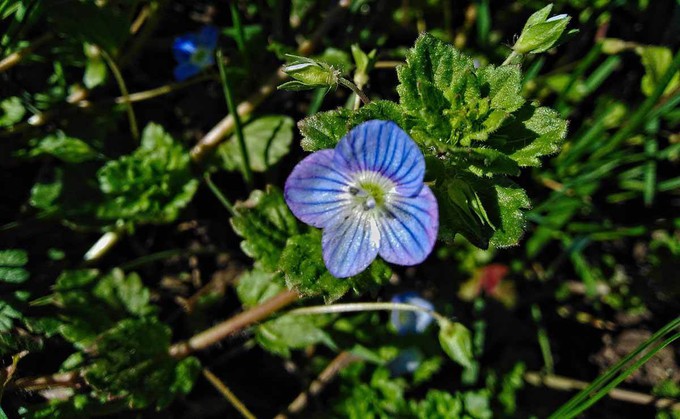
350 245
207 37
408 228
383 147
407 322
317 190
185 70
184 46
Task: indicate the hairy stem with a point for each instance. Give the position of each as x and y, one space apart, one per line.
355 307
353 87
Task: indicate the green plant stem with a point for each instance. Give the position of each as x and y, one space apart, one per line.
543 340
353 87
357 307
134 129
228 394
238 127
511 57
219 195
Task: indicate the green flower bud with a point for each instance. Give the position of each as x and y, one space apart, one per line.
541 33
309 74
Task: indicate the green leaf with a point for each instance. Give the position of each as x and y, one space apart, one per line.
656 61
265 222
151 185
304 270
456 340
256 286
267 140
67 149
12 111
510 221
95 72
292 332
324 129
133 362
534 132
505 86
12 262
438 404
92 303
483 161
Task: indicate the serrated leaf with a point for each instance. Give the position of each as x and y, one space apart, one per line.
534 132
256 286
64 148
291 332
124 292
267 140
304 270
505 86
151 185
265 222
486 211
324 129
133 362
456 341
483 161
13 111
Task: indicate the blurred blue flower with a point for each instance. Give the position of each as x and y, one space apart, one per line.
369 197
194 52
406 362
408 322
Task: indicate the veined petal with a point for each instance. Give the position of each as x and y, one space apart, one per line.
408 228
317 190
350 245
185 70
184 46
407 322
383 147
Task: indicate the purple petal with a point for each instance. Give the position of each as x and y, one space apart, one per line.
350 245
184 46
207 37
408 229
383 147
185 70
316 190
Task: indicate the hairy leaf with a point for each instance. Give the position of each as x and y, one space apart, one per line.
324 129
292 332
265 223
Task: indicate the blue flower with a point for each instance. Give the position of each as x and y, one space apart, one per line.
194 52
409 322
369 197
407 362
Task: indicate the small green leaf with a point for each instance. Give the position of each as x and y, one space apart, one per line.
95 72
534 132
324 129
292 332
12 262
656 61
456 341
12 111
267 140
67 149
151 185
265 223
256 286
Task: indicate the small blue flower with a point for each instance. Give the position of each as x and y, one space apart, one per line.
369 197
194 52
410 322
407 362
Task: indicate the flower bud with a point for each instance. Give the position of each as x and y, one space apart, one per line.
309 74
541 33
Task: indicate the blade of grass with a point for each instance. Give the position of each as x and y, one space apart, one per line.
238 127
